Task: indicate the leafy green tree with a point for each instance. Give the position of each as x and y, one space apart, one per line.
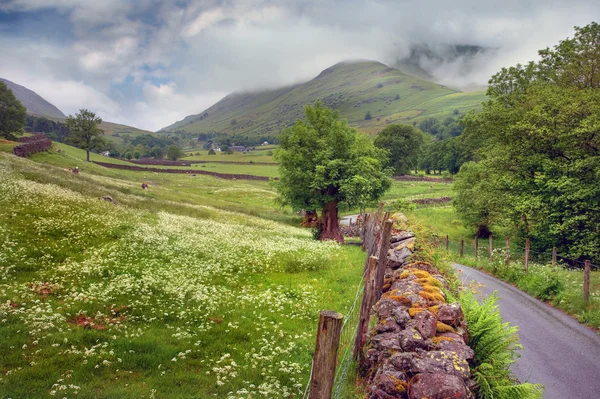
368 116
84 132
538 136
156 152
174 153
325 164
404 143
429 125
12 114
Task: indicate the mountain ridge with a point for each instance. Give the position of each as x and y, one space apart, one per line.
356 88
36 105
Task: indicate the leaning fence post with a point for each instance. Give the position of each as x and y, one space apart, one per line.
491 247
384 247
476 246
380 211
527 246
462 247
507 259
447 242
325 358
365 311
553 256
586 281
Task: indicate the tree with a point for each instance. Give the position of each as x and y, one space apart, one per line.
84 132
429 125
538 137
174 153
211 152
325 164
403 143
12 114
368 115
156 152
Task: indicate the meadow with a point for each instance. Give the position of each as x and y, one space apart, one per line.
175 292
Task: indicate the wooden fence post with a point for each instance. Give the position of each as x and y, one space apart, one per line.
507 259
365 232
325 357
586 281
365 311
553 256
462 247
527 246
447 242
476 246
384 247
491 247
380 211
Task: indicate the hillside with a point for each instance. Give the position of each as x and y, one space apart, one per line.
34 103
353 88
37 106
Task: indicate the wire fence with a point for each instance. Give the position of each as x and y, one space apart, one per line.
371 229
515 251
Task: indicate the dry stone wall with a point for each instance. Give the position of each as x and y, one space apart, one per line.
417 349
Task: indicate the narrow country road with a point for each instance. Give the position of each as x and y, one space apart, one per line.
558 351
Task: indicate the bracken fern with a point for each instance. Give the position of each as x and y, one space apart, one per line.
495 344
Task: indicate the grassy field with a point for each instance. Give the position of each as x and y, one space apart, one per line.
353 89
174 292
254 156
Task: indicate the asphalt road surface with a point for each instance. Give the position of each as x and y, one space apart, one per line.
558 351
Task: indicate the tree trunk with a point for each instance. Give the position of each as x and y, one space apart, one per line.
310 219
330 226
88 155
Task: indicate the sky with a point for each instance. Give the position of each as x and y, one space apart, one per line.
148 63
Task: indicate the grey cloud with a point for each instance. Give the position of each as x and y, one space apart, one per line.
183 55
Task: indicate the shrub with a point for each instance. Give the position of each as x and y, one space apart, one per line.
495 345
211 152
368 115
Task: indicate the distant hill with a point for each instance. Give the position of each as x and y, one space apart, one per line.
353 88
34 103
38 106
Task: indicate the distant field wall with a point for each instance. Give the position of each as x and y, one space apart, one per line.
183 171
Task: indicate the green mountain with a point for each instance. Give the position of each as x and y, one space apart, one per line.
353 88
34 103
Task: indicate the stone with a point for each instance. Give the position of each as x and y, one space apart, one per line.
401 316
107 198
426 324
387 325
454 336
397 257
403 235
440 362
386 341
410 339
389 380
450 314
462 350
408 243
437 386
385 307
399 217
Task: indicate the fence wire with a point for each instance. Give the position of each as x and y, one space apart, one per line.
516 253
345 349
